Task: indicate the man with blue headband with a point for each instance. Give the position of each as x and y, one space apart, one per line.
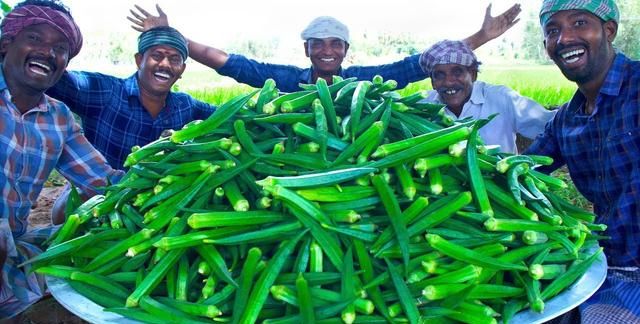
326 43
597 135
118 114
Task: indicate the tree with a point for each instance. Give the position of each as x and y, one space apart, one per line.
629 28
532 47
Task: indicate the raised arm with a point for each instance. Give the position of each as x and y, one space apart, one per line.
493 27
210 56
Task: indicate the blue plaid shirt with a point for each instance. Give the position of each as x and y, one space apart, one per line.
113 117
602 152
32 144
288 77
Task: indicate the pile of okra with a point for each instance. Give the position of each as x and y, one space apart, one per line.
341 203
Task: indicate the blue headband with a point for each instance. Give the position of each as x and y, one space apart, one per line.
163 36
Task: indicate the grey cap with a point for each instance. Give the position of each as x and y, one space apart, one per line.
326 27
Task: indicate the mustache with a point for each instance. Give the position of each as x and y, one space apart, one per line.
165 71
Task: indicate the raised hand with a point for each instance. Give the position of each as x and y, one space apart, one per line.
493 27
142 20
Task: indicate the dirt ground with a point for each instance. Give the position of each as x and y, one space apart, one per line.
47 311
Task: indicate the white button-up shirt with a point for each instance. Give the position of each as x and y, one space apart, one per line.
516 114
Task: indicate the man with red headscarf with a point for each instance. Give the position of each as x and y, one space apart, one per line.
37 134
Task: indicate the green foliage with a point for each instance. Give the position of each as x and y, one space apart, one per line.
219 95
384 44
258 49
571 194
5 8
629 28
532 42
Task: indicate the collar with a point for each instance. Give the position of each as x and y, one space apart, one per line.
613 82
131 85
307 76
133 90
477 93
610 87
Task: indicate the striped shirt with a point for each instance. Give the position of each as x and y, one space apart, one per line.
602 152
32 145
288 77
112 114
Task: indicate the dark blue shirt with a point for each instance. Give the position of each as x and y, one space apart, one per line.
113 117
602 152
288 77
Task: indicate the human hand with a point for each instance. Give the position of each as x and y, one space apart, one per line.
142 20
493 27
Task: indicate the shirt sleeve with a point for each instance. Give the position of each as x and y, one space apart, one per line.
530 117
404 71
202 110
254 73
84 93
547 144
82 164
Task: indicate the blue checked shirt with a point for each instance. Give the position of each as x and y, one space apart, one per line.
113 117
602 152
288 77
32 145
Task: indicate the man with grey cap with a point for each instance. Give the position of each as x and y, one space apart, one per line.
597 135
326 42
118 114
453 69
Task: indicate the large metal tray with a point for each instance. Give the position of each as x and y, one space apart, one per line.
586 286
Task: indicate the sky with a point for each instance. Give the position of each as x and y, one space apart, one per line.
218 19
218 22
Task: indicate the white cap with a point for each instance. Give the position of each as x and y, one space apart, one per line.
326 27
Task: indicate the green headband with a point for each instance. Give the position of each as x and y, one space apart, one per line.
604 9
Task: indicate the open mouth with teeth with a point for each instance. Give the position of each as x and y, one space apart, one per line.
451 92
162 76
39 68
572 56
328 59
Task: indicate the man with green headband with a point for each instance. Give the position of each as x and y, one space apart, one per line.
118 114
597 135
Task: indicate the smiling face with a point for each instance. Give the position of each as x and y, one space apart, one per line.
35 59
159 68
326 55
454 83
580 44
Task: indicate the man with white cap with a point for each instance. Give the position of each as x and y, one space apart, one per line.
326 42
597 135
453 69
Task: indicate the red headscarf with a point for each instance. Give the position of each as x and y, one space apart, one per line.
28 15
